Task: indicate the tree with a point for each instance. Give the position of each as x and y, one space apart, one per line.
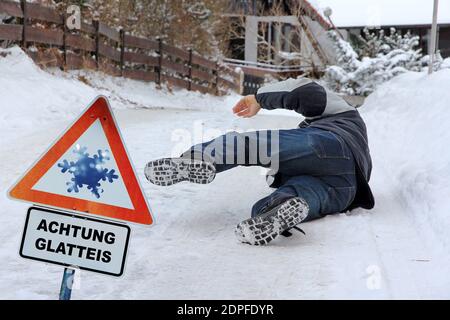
380 58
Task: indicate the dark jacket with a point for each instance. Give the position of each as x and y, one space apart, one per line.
325 110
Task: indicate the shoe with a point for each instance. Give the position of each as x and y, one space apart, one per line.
169 171
266 227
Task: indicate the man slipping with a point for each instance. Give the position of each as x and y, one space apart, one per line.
320 168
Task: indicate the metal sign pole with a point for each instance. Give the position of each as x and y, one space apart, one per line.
66 284
433 37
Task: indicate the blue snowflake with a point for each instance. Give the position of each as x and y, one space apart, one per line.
88 171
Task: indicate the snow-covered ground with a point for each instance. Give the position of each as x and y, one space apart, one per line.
401 249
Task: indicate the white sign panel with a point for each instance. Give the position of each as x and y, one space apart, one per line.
68 240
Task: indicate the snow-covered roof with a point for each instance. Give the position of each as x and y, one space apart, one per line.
358 13
313 10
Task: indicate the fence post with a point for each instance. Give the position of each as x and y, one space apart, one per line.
241 81
97 42
122 50
190 69
160 56
23 5
64 42
217 78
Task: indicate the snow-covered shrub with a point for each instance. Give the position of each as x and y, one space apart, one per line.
438 64
382 58
445 64
373 43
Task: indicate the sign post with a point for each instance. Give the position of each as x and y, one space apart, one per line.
87 172
66 284
433 37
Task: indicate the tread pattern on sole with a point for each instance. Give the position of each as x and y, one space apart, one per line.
169 171
263 229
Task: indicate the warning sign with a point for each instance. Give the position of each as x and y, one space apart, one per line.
69 240
87 170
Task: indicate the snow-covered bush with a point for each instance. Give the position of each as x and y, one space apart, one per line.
373 43
380 59
439 62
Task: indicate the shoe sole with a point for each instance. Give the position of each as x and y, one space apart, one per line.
261 230
166 172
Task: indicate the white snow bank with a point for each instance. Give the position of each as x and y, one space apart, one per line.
24 103
408 120
62 96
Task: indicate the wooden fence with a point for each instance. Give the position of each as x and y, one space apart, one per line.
43 33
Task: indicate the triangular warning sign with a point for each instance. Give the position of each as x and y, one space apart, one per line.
87 170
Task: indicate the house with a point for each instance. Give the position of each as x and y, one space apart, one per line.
281 34
278 38
310 41
352 16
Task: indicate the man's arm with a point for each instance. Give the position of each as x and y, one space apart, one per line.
301 95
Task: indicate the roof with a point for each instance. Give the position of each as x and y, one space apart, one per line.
360 13
313 11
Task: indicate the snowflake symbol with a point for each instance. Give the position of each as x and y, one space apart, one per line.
88 171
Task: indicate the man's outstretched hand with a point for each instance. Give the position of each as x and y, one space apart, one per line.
247 107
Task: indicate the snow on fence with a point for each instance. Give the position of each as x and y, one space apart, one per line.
99 47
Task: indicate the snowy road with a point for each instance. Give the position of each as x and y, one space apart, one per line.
191 252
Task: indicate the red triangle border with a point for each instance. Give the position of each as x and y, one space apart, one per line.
101 110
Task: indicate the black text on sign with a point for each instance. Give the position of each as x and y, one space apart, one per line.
69 240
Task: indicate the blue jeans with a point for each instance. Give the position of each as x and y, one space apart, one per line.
313 164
